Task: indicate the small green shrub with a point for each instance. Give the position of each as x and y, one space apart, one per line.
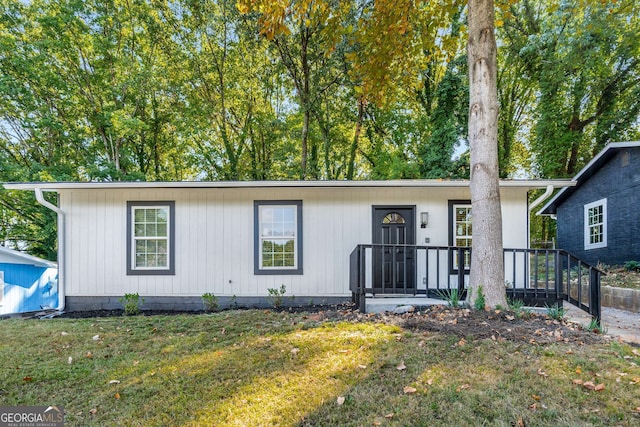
210 302
479 303
596 327
556 311
632 266
131 304
451 296
276 295
518 308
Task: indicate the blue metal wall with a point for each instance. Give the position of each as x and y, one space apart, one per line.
28 288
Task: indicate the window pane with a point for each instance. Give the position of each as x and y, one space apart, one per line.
162 216
161 230
150 230
138 215
162 246
141 261
139 230
151 215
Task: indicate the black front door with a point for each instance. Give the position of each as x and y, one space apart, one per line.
394 266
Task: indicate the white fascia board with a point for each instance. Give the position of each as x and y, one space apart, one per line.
429 183
26 258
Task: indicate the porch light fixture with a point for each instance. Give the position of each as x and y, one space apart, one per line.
424 219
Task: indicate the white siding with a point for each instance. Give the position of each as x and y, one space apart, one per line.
214 237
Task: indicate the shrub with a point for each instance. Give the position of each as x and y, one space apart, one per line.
276 295
556 311
210 302
131 303
632 266
451 296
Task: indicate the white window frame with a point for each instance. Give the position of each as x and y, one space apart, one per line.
1 287
260 237
469 237
132 239
587 227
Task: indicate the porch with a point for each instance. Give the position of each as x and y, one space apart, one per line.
538 277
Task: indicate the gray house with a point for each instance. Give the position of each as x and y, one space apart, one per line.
598 220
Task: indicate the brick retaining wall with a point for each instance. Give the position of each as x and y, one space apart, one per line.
621 298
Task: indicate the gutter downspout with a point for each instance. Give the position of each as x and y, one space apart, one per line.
542 198
61 247
536 203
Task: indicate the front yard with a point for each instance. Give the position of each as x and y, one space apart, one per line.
254 368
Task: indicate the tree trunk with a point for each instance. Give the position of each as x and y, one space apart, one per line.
487 264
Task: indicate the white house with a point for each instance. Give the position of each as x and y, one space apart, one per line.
171 242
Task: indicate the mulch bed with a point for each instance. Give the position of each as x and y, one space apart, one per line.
497 325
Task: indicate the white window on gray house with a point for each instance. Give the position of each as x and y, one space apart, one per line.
278 237
595 223
462 231
150 238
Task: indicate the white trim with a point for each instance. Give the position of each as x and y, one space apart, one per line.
587 227
134 238
262 238
401 183
1 287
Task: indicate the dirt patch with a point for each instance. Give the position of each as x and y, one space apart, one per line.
497 325
620 277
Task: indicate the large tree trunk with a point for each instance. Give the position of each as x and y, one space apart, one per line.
487 264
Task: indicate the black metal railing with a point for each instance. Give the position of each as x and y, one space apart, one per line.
538 277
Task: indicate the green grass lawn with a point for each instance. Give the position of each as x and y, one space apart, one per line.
254 368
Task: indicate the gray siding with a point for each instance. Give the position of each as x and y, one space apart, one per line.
619 182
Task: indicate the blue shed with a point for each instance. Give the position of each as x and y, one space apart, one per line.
598 220
27 283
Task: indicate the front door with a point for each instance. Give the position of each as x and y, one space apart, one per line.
394 266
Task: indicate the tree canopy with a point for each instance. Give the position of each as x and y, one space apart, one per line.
322 89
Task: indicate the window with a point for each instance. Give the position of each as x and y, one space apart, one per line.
150 238
1 287
595 224
278 237
460 230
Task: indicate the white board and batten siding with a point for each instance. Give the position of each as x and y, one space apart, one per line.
214 236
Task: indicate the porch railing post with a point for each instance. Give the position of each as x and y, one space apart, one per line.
460 271
594 294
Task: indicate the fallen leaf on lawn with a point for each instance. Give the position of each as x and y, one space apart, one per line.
569 352
589 385
462 342
63 333
27 379
409 390
389 416
117 396
542 373
430 381
295 351
577 382
96 337
635 380
114 382
340 400
343 351
401 366
70 360
510 317
463 387
535 397
377 423
521 423
637 409
533 406
93 411
578 370
89 355
599 387
362 366
636 352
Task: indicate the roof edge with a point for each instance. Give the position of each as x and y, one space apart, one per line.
56 186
